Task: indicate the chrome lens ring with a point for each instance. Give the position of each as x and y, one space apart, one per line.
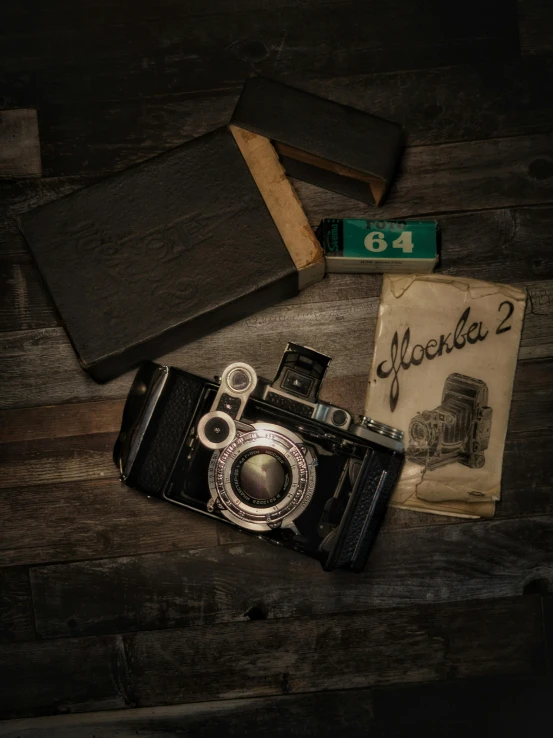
299 489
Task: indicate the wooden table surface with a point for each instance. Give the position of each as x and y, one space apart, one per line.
145 620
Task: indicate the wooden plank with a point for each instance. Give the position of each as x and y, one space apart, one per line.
19 144
73 675
480 707
86 520
536 26
547 604
58 459
71 442
271 657
436 179
489 243
433 179
483 708
417 644
532 395
475 560
183 49
17 197
60 421
24 301
99 517
532 403
16 608
29 356
493 245
63 443
315 715
435 105
526 482
458 103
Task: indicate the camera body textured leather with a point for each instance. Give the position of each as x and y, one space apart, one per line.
164 452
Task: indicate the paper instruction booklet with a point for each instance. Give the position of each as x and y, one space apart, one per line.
443 368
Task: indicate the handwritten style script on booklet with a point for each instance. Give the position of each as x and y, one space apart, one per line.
443 368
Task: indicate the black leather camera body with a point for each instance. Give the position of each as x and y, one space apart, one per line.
266 457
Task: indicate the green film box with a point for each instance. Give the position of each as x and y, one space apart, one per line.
401 246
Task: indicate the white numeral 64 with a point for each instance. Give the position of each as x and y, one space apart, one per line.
375 242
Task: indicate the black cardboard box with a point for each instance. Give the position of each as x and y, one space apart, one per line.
320 141
173 248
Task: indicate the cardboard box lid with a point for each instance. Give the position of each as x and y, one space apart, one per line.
332 145
169 250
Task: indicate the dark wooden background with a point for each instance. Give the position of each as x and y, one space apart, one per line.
144 620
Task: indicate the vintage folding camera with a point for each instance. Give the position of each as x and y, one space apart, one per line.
457 430
267 457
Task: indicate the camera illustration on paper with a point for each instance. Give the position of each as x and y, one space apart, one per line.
458 430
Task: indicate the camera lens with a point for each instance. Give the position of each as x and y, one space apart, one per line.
419 433
216 429
262 476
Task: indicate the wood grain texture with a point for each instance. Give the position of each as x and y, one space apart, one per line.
225 615
28 356
19 144
536 26
525 482
482 707
60 421
23 298
200 48
436 179
433 564
16 609
491 244
54 459
431 179
425 643
438 173
22 195
80 520
73 442
96 518
532 398
306 715
60 677
408 645
500 98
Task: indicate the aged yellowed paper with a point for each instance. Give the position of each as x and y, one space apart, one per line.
443 367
